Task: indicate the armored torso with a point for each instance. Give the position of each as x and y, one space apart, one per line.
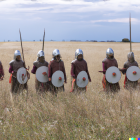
127 64
55 66
39 64
79 66
109 63
16 65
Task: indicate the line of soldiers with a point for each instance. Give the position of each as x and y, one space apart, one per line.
110 61
77 65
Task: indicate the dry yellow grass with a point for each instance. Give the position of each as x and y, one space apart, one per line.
93 115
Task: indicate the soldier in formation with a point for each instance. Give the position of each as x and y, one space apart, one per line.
78 65
130 62
39 86
15 64
56 64
109 61
1 71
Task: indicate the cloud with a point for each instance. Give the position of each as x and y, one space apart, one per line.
70 11
70 5
121 20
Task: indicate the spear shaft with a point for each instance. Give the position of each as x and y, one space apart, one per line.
130 32
21 46
43 41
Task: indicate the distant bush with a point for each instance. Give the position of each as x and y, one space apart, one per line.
125 40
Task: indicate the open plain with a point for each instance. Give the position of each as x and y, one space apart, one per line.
94 115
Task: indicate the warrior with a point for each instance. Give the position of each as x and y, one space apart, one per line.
56 65
40 87
78 65
109 61
130 62
1 71
15 64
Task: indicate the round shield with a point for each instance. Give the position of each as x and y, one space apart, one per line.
42 74
58 79
22 75
133 73
113 75
82 79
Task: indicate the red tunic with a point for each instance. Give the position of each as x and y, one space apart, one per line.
15 65
77 67
16 87
109 63
128 83
106 85
40 87
55 66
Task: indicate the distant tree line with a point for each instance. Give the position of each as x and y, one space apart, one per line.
75 40
125 40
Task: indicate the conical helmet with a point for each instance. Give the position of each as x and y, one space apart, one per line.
109 52
17 52
78 52
39 54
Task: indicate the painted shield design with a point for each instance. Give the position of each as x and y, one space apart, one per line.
113 75
82 79
133 73
42 74
58 79
22 75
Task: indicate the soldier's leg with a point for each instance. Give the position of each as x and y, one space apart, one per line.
53 89
36 85
60 89
63 88
16 86
12 85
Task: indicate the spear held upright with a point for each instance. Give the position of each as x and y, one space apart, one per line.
21 47
43 41
130 32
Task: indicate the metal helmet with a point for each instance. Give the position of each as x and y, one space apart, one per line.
55 53
130 57
17 52
109 52
39 54
78 52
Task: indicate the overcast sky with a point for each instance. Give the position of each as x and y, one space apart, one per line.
69 19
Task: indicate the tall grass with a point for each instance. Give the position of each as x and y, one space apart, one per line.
94 115
69 116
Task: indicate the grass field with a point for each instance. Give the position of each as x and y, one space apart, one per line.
93 115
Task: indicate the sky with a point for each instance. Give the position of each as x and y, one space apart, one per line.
69 20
